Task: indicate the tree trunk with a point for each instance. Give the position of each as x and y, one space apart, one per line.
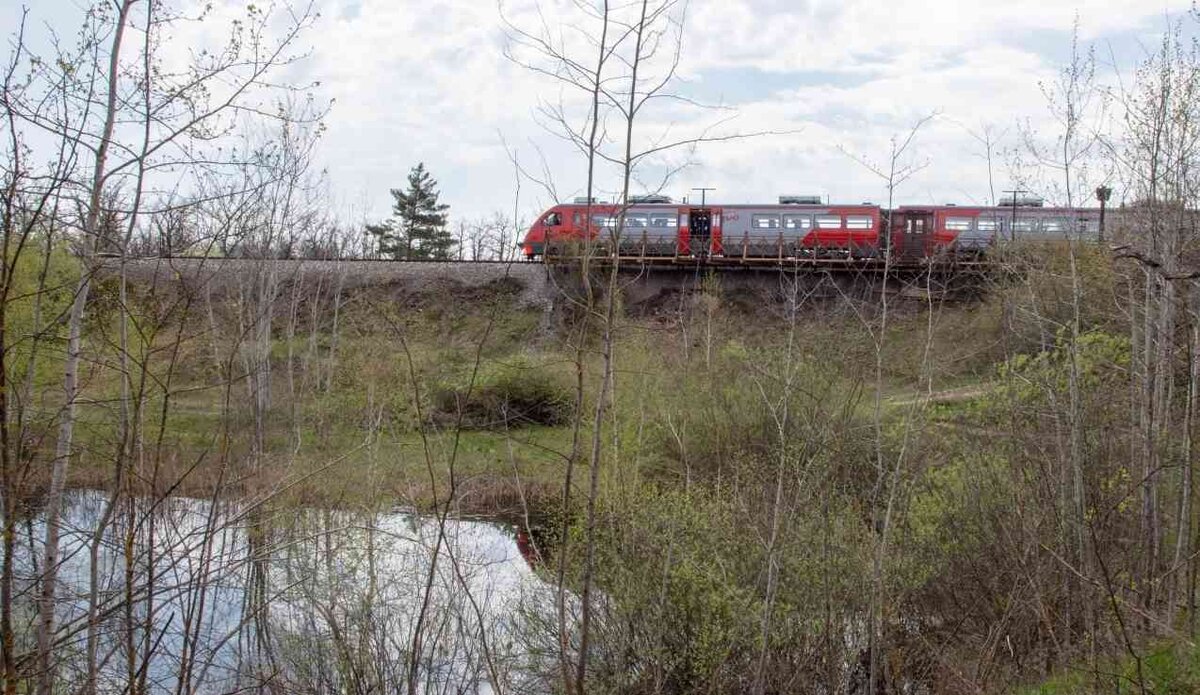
66 430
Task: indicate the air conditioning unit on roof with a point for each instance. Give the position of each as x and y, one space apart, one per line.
644 199
800 200
1022 201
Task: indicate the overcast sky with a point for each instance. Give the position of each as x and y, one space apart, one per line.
427 80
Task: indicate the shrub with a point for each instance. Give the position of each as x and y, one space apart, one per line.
518 391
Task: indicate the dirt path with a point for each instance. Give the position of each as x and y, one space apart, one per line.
963 393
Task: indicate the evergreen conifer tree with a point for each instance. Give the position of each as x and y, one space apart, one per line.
417 229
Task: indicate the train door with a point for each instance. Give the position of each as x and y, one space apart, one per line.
916 232
700 228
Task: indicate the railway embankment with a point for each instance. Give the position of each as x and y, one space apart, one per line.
534 287
647 289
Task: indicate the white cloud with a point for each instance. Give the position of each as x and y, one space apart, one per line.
794 35
417 81
428 81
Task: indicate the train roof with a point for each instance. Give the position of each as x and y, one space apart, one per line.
970 210
710 204
1006 209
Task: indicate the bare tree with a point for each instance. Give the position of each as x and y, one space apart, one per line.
79 99
898 168
1157 162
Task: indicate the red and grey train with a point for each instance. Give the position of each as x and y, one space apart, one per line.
802 227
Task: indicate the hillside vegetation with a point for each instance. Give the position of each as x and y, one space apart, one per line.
761 475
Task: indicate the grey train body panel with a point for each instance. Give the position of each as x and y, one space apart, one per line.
767 231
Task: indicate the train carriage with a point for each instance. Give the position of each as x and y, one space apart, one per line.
802 230
799 227
657 228
920 231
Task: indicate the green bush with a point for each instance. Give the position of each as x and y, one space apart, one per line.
514 392
1166 669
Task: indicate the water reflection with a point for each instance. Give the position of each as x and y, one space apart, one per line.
187 595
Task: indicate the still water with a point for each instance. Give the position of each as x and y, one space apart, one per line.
220 597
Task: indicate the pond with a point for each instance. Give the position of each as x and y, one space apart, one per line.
188 595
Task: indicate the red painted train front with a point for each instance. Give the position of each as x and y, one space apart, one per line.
800 227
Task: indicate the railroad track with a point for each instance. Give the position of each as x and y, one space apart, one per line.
875 265
246 259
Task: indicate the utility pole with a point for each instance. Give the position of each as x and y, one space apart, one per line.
703 190
1012 226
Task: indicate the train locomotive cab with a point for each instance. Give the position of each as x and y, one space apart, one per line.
646 229
549 227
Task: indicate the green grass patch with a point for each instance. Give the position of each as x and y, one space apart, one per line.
1172 669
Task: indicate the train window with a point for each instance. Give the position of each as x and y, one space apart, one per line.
829 222
661 220
797 222
985 225
554 219
1053 225
635 219
1084 224
577 218
858 222
958 224
764 221
605 221
1026 225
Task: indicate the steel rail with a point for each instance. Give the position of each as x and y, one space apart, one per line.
635 261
